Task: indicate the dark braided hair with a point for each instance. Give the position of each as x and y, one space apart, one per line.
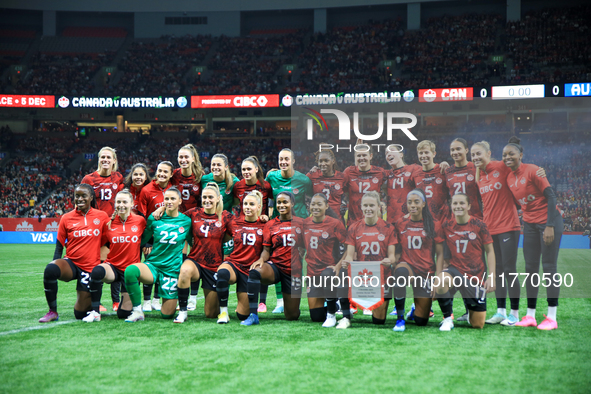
428 222
90 192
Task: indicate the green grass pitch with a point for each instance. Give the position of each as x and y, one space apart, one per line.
157 356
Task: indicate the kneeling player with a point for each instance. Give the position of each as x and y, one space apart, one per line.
82 228
164 262
418 236
467 238
124 237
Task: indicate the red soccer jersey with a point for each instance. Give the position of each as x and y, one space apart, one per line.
190 191
435 187
282 238
371 242
82 236
125 239
466 243
399 184
463 180
331 186
135 192
500 213
357 183
151 198
105 189
417 247
208 237
320 239
241 190
248 242
528 190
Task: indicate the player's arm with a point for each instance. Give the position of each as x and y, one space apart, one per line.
59 250
439 260
551 215
348 256
391 259
490 284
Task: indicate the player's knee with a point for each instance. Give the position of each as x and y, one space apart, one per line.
52 272
318 314
421 321
123 313
254 275
166 317
241 317
292 315
186 271
401 271
377 321
79 315
132 274
98 273
223 279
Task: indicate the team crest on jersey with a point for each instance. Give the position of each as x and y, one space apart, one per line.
296 190
96 221
228 191
375 180
181 230
218 224
381 237
522 181
134 229
337 187
496 174
470 177
472 236
298 230
195 188
407 173
325 235
438 181
114 186
260 232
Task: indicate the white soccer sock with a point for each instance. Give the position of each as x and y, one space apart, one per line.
502 311
330 316
280 302
515 313
552 312
223 309
531 312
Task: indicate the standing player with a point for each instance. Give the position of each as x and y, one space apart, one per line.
165 260
247 233
328 180
80 230
208 226
106 182
220 174
398 184
276 261
135 181
152 198
290 180
461 177
430 179
371 239
252 179
124 236
322 237
542 231
467 238
419 236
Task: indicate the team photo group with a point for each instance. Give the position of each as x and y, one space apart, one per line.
159 238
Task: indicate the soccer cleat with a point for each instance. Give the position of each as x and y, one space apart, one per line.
92 316
496 319
181 317
344 323
447 324
115 306
367 312
400 325
464 317
353 311
548 324
263 308
251 320
330 321
102 308
527 321
49 316
411 315
147 306
393 313
136 315
223 318
192 303
156 304
278 309
431 313
510 321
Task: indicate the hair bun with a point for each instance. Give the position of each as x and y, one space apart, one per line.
514 140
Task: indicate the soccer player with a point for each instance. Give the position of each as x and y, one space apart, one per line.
208 225
322 236
372 239
152 198
430 179
398 184
328 180
461 177
467 238
419 236
360 179
80 230
276 261
106 182
165 259
247 233
135 181
220 174
124 236
288 179
542 231
252 179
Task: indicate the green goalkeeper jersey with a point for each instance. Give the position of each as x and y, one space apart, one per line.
299 184
170 235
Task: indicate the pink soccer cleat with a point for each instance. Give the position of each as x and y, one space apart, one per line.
262 308
548 324
527 321
49 316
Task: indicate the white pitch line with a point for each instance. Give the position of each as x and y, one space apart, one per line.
37 327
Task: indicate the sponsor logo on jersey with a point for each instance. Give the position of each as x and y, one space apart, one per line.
407 173
531 197
522 181
114 186
296 190
375 180
124 239
218 224
298 230
96 222
87 233
195 188
337 187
